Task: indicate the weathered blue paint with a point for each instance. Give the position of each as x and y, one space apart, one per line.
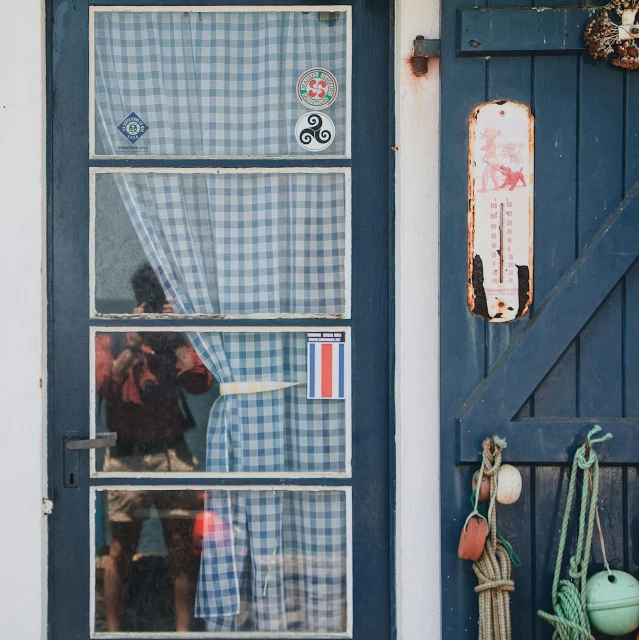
516 31
558 320
541 381
68 310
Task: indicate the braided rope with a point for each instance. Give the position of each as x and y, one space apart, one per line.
493 568
569 596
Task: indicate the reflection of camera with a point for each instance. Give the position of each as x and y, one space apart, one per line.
148 290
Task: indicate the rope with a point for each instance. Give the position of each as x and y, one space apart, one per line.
494 566
569 596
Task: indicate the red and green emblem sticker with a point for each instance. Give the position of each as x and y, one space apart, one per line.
317 88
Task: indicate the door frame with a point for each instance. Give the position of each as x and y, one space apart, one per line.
23 188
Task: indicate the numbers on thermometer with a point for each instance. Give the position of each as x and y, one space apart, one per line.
501 240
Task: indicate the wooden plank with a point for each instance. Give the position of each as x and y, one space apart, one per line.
631 298
461 333
600 187
555 211
552 440
521 31
511 79
555 93
562 315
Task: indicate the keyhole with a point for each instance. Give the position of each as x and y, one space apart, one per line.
72 478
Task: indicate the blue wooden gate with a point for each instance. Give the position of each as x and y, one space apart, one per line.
543 380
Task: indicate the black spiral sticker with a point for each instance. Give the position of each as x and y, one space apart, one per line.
315 131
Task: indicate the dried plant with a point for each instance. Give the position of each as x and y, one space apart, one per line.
611 34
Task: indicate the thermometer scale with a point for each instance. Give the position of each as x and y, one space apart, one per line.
500 215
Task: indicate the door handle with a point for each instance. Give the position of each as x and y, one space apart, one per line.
102 441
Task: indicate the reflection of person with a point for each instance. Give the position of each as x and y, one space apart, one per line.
142 378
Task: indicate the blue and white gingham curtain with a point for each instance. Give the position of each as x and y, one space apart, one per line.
213 83
258 243
237 244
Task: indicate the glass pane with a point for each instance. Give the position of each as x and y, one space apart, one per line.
161 393
221 561
224 243
219 83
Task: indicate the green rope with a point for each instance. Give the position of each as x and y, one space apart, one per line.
569 596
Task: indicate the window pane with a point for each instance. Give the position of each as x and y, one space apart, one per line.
217 83
221 561
215 401
225 243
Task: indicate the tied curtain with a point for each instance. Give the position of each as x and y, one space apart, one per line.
240 243
214 83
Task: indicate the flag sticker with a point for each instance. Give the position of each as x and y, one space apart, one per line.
326 365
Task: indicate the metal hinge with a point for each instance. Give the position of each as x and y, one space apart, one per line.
423 49
47 506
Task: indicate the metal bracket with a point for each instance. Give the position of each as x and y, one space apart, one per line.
423 49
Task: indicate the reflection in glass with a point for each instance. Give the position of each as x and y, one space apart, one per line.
271 561
156 390
207 83
229 243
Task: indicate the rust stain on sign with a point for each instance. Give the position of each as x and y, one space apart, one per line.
500 210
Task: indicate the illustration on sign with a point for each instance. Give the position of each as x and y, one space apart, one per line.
133 127
315 131
500 215
327 365
317 88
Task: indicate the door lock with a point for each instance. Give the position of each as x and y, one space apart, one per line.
72 445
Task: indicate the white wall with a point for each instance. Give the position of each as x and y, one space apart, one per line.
22 196
417 325
22 206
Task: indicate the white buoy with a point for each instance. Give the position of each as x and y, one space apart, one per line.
508 484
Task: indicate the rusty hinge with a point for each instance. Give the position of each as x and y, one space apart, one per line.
423 49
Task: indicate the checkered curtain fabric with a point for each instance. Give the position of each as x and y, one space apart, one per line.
239 244
244 243
258 243
289 562
213 83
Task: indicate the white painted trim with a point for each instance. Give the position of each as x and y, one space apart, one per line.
348 238
255 635
348 427
23 527
345 9
417 328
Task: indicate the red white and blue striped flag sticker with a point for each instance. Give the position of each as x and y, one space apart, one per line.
327 378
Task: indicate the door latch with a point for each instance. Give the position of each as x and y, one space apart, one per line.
102 441
73 444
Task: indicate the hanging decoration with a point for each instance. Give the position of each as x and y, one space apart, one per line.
569 597
490 552
611 34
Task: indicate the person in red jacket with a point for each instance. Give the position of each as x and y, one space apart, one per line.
141 378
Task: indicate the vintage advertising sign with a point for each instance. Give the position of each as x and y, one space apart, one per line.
327 365
500 210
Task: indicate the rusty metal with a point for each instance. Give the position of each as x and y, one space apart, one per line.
423 48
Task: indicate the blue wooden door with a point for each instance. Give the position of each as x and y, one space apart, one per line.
541 381
190 154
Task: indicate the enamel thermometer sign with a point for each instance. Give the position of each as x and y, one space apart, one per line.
500 210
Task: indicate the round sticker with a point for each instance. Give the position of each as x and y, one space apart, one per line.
317 88
315 131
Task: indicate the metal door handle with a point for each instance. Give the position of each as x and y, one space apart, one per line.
102 441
